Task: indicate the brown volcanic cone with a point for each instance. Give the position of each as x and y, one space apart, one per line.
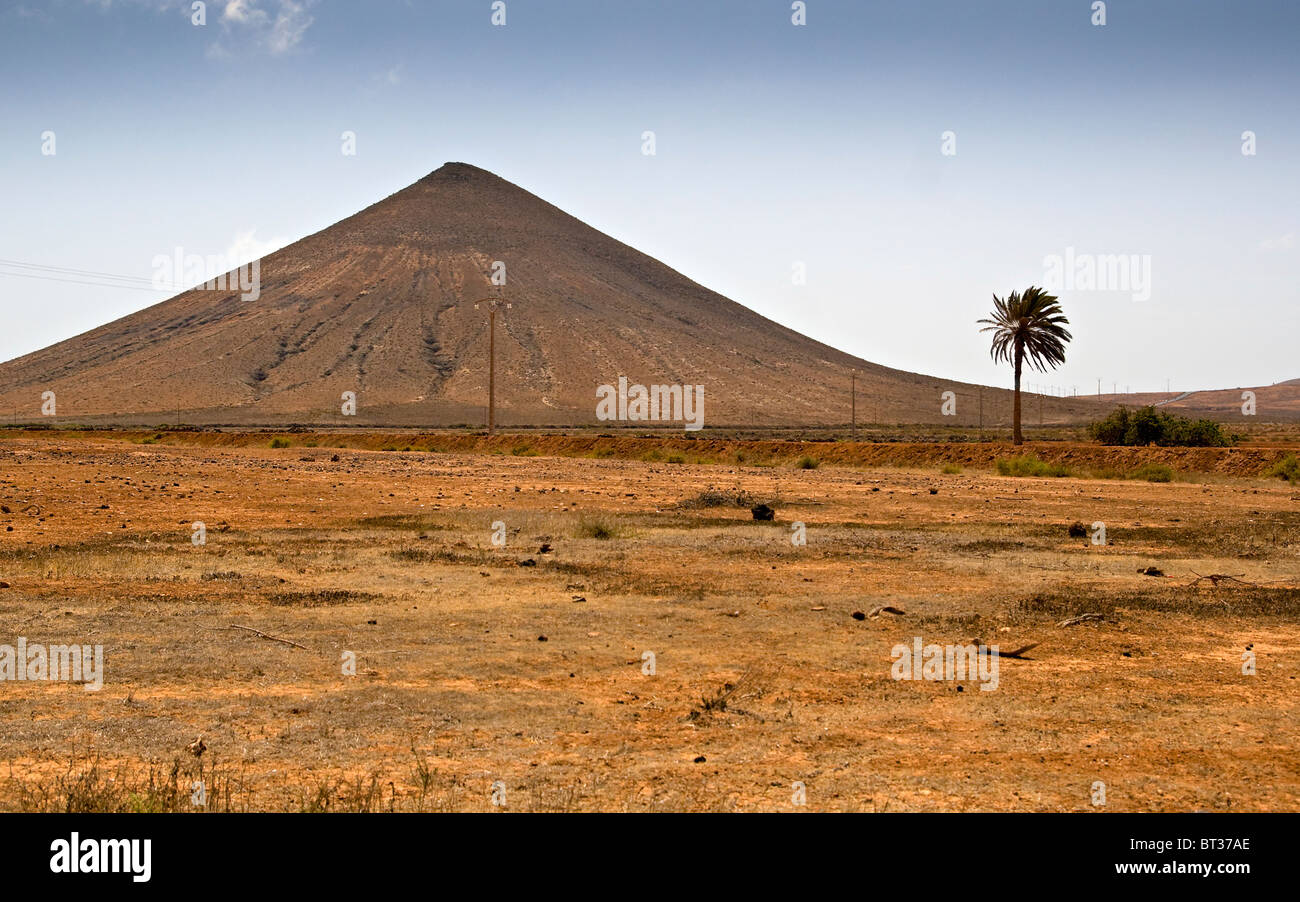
382 304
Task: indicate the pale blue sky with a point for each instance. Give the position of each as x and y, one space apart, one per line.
776 144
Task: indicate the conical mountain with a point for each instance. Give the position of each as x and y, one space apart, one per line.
382 304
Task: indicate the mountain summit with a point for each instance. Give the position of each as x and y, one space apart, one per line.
382 304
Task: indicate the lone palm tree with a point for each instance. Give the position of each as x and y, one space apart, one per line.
1027 327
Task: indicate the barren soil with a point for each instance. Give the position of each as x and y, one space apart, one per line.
522 668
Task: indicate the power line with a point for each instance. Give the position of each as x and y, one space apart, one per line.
65 270
73 276
24 275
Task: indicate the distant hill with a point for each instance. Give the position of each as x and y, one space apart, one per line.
382 304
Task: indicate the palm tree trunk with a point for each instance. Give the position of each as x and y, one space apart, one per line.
1016 437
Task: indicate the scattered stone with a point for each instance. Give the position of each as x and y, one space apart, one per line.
3 584
762 512
528 562
545 549
541 638
1077 530
578 599
858 615
700 759
1151 571
197 747
934 491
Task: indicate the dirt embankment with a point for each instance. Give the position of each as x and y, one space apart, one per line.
1243 461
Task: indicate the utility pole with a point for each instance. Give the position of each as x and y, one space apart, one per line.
853 405
493 304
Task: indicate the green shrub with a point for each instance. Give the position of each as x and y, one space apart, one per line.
807 463
951 469
1153 473
1029 465
1148 426
280 443
1287 468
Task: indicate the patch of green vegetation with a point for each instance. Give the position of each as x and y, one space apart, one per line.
1030 465
1148 426
1153 472
807 463
951 469
1287 468
280 443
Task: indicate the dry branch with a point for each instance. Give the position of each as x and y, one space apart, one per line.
236 626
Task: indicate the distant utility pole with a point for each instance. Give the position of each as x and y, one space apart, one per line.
493 304
853 405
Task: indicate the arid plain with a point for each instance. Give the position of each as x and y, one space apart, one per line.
520 671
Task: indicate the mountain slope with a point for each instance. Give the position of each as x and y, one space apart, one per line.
382 304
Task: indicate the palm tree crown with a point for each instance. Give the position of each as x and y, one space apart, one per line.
1032 324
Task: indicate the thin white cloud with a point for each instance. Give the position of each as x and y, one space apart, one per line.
1282 243
277 26
243 11
291 23
246 247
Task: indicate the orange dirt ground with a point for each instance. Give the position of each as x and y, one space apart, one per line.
476 668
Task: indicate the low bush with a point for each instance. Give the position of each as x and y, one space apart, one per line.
1148 426
1030 465
1287 468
